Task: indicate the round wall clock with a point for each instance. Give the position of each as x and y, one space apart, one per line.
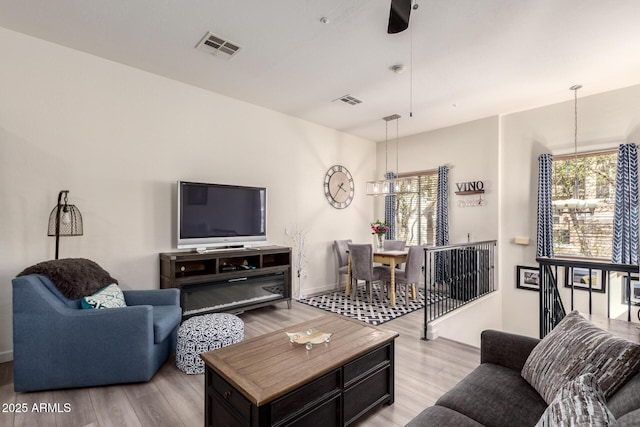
339 187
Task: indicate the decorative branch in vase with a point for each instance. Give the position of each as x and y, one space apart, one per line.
379 228
299 238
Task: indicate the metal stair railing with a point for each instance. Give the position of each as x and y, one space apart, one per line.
552 309
456 275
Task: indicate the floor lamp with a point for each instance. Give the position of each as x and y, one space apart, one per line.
64 220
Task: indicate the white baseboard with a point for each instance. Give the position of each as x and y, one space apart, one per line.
6 356
432 333
318 290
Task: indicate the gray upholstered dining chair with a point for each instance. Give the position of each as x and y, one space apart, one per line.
409 276
394 245
362 267
341 247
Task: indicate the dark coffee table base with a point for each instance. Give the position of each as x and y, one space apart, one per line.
350 389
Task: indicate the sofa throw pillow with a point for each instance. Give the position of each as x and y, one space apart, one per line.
109 297
581 402
577 347
74 277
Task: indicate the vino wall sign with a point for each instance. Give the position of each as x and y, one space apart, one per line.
469 190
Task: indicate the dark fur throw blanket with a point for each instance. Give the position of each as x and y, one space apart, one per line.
74 277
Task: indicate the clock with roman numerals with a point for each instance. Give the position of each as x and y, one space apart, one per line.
338 187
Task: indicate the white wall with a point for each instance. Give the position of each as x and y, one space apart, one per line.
467 322
119 138
604 121
470 150
502 152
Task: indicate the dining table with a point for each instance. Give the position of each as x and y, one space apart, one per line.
391 258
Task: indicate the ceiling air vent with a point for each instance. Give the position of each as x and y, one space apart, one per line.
351 100
216 45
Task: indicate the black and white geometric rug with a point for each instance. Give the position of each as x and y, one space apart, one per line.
376 313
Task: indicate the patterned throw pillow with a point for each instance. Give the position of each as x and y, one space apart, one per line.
576 347
109 297
579 403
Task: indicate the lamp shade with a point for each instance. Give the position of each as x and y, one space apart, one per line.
64 220
70 221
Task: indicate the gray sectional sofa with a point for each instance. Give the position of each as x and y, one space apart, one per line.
497 394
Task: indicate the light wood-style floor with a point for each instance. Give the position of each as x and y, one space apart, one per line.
424 371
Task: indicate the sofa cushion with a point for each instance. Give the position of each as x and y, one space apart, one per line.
439 416
505 349
495 396
579 403
577 347
632 419
109 297
627 399
166 319
74 277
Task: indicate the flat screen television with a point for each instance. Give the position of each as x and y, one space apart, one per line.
216 215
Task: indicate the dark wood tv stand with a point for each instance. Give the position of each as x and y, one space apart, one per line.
228 280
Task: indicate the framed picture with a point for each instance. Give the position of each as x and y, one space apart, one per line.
528 278
635 289
581 279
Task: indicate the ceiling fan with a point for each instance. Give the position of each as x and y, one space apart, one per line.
399 15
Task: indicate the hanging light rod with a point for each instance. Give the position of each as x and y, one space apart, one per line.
576 203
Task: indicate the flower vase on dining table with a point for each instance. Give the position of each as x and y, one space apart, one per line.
379 229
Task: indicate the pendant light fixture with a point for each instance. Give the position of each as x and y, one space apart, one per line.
575 203
391 184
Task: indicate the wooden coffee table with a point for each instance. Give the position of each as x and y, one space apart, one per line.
268 381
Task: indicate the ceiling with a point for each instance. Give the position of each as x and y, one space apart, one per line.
465 59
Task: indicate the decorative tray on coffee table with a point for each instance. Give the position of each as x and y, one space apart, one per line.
309 337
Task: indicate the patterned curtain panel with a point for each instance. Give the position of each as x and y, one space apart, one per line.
625 219
442 263
390 211
545 207
442 207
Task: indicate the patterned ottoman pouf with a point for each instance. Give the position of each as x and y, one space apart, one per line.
200 334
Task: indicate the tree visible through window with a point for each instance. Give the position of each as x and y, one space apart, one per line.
415 214
583 199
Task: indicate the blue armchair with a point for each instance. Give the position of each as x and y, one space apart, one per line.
57 344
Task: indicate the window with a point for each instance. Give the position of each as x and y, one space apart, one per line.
415 214
583 199
604 180
564 237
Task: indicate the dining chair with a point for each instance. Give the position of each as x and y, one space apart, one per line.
394 245
341 247
409 276
362 268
